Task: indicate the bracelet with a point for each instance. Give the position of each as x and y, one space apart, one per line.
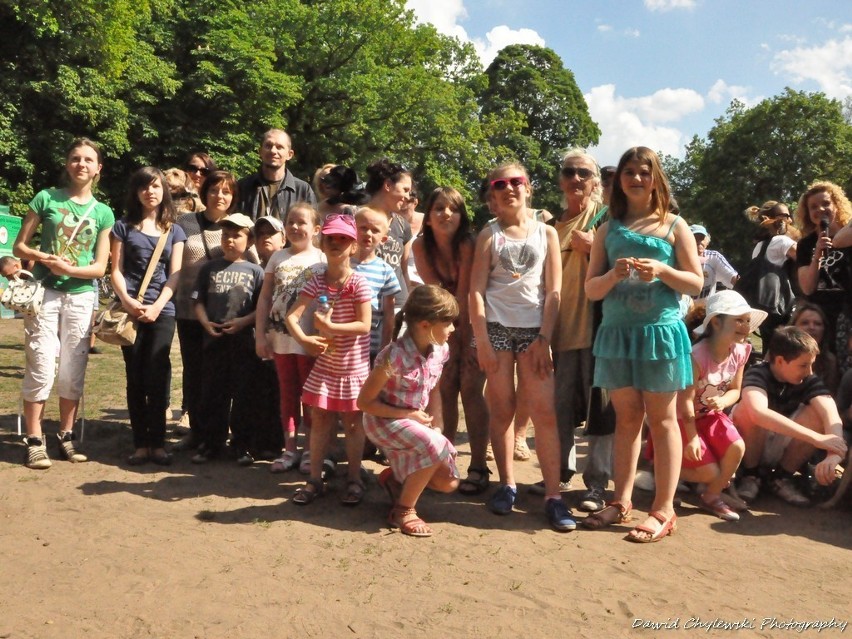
542 336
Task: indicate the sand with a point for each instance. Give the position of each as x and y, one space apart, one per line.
101 549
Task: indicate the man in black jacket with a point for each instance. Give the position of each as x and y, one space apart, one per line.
274 189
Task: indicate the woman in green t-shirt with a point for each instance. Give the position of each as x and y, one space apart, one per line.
73 251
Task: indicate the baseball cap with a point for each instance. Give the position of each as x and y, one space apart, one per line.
238 219
729 302
697 229
274 222
340 224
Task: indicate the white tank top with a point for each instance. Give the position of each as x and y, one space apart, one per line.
514 296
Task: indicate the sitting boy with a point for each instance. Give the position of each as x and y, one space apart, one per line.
784 414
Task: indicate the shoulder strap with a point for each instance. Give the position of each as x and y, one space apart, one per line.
155 257
765 247
671 228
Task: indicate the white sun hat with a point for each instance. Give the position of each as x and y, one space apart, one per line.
730 303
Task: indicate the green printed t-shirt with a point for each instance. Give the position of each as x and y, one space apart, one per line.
59 217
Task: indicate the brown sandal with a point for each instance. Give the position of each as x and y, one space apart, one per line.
604 517
306 494
355 490
415 527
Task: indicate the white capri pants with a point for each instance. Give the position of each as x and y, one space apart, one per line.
63 324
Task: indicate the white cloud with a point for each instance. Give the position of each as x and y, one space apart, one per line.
502 36
722 93
626 122
668 5
828 64
445 16
603 28
633 33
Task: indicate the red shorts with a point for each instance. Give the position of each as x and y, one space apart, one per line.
716 433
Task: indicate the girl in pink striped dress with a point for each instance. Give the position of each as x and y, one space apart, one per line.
394 401
342 349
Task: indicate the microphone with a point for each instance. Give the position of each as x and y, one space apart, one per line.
823 224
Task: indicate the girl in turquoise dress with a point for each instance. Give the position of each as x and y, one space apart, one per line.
642 260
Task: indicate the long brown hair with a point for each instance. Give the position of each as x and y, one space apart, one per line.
661 197
139 180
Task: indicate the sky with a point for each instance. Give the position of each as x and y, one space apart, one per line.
657 72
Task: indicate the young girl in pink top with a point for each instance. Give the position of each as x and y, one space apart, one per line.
342 349
712 447
394 401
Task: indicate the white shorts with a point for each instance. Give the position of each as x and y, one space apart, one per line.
62 325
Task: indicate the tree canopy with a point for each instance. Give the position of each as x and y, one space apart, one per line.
771 151
350 80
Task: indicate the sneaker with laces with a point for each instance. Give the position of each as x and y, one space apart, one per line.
719 508
592 500
36 454
559 516
503 500
748 487
68 448
786 489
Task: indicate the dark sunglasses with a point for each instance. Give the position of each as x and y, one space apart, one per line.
197 169
502 184
570 171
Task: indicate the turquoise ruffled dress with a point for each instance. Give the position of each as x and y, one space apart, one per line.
642 341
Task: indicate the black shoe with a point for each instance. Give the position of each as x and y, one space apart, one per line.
187 442
244 458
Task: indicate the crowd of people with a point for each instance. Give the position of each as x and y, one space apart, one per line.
315 308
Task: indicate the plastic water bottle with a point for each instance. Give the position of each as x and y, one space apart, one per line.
324 307
324 310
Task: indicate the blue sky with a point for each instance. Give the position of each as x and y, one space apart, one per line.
657 72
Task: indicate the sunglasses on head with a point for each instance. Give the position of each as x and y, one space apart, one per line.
501 184
198 169
570 171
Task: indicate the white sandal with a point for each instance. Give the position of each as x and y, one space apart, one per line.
288 461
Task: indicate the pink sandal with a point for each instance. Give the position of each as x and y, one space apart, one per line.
668 526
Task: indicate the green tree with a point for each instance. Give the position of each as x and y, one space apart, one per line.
770 151
69 70
535 111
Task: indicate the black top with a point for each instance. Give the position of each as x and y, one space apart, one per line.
783 398
834 285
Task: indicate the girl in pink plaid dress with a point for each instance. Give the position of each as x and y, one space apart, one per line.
394 400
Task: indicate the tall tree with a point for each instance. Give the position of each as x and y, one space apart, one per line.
770 151
535 112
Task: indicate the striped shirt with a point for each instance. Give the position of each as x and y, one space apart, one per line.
383 283
339 373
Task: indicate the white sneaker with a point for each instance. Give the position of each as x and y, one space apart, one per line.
36 454
68 449
786 489
748 487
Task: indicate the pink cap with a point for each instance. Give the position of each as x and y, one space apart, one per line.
340 224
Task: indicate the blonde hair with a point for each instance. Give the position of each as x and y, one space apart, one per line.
838 197
363 211
429 303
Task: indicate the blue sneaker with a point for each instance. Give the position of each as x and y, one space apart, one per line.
502 501
559 516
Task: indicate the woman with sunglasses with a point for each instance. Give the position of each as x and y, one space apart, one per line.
389 186
198 166
514 300
583 212
203 239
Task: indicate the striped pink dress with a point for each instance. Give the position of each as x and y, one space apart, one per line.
409 445
339 373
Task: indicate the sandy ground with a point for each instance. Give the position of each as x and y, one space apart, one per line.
104 550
